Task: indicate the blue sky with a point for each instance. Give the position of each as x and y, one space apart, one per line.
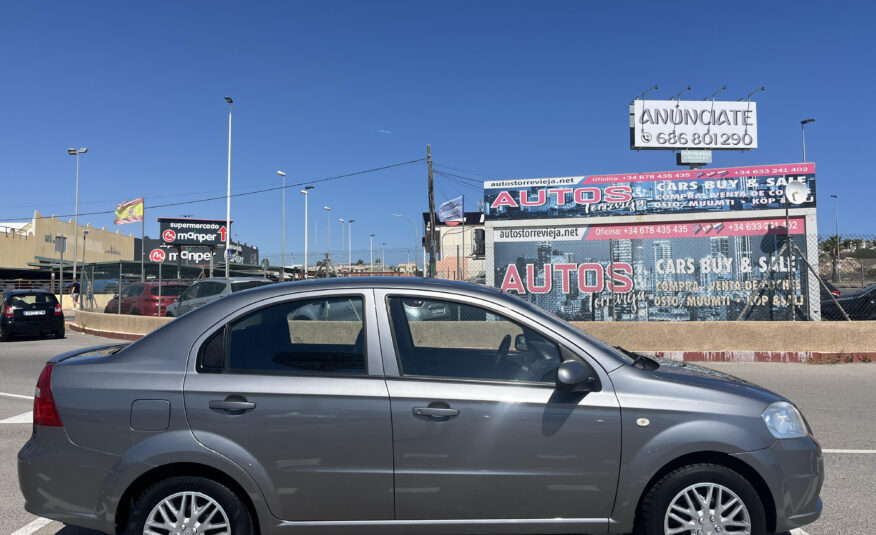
506 89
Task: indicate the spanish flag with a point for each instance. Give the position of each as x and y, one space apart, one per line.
129 212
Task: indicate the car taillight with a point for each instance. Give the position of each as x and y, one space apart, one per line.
45 413
9 311
836 293
58 310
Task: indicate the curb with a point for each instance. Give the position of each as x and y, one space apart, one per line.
788 357
130 337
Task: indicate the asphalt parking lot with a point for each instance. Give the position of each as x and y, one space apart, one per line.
837 400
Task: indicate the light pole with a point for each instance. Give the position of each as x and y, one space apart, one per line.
228 205
836 273
416 237
328 218
74 152
283 246
803 124
304 192
371 255
343 239
383 254
350 243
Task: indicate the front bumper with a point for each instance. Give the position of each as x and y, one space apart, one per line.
794 471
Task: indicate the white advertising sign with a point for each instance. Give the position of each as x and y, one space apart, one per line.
693 124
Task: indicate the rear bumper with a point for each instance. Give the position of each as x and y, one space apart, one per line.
794 471
60 480
33 327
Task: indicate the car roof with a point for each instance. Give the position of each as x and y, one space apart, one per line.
233 279
25 292
407 283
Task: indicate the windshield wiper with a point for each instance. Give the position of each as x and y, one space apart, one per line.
640 361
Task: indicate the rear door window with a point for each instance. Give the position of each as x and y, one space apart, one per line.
313 336
168 290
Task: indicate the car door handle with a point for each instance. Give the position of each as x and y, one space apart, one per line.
225 405
435 412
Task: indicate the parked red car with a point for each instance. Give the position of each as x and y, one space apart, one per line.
141 298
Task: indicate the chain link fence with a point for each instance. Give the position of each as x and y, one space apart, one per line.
847 263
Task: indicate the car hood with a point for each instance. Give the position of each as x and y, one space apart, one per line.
703 377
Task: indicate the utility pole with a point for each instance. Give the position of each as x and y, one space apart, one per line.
431 240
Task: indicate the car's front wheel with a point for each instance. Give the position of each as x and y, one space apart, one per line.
188 505
701 498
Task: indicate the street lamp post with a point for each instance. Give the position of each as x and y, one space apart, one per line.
350 243
371 255
343 238
228 205
416 237
803 124
328 218
304 192
836 273
283 246
74 152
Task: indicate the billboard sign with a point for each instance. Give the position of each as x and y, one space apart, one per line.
693 124
197 255
186 231
729 189
679 271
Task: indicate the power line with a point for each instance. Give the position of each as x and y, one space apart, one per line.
470 171
241 194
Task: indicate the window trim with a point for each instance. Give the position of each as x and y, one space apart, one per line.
244 313
470 380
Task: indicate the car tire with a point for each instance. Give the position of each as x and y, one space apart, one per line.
135 312
680 487
168 314
206 493
4 336
59 333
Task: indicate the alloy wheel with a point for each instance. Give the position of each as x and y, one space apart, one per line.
187 513
706 509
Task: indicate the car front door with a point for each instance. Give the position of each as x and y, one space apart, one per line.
299 402
480 430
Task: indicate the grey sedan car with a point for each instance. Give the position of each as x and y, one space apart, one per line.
339 406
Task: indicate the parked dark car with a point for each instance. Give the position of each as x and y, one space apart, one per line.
340 406
142 298
30 313
860 305
831 290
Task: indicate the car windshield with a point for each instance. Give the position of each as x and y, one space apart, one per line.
246 285
169 290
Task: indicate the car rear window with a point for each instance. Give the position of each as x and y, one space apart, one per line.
246 285
30 300
169 290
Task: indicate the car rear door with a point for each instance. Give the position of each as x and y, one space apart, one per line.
479 430
300 403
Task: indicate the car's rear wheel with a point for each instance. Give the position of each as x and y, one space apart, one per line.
135 312
701 498
59 333
4 336
188 505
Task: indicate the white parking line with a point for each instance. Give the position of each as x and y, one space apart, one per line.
24 418
19 396
854 452
798 531
33 527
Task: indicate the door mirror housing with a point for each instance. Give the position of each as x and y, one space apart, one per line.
520 343
575 376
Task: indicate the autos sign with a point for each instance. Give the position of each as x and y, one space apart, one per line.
670 192
185 231
675 271
693 124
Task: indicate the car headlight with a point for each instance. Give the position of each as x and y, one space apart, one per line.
784 420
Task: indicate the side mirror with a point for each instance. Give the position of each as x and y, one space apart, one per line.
520 343
574 376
